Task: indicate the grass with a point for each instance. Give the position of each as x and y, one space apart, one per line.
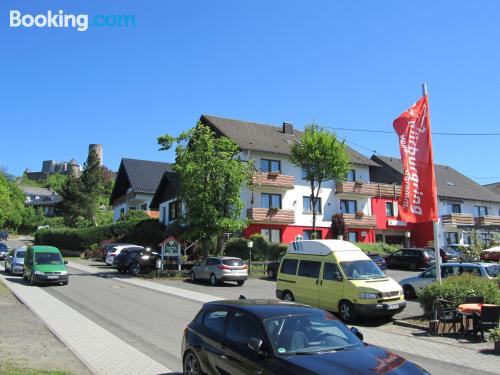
9 369
3 290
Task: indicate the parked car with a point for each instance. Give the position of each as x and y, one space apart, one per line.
220 269
273 337
45 265
135 260
412 258
4 249
378 260
14 262
102 252
413 285
115 250
272 267
339 277
491 255
4 235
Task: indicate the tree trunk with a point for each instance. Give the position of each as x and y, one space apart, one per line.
313 208
220 244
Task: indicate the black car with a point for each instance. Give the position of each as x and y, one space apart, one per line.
412 258
276 337
272 268
378 260
135 260
4 249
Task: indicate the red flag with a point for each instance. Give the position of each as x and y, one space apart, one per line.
417 202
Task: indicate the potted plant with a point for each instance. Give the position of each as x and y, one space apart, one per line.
360 214
495 338
358 184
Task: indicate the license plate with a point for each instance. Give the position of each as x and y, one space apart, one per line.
393 307
52 277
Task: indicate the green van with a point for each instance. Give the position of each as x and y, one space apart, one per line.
45 265
337 276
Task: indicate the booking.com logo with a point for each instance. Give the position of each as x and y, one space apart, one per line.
80 22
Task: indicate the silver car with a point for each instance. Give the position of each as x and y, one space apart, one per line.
15 260
413 285
220 269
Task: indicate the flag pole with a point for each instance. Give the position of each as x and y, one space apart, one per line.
435 223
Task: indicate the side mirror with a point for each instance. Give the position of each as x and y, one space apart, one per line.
65 262
338 277
358 334
256 345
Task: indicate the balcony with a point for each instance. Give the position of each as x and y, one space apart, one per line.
387 191
487 220
273 179
270 215
356 221
359 188
457 219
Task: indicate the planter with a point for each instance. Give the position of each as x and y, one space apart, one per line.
497 347
433 324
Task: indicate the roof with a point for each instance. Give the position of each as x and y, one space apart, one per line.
46 249
320 247
450 182
143 176
495 187
167 189
31 190
266 138
264 308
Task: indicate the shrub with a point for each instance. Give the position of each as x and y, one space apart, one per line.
147 233
261 250
456 288
379 247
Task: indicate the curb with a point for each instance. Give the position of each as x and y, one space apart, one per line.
402 323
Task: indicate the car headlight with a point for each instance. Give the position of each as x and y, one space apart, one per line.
64 272
39 273
365 295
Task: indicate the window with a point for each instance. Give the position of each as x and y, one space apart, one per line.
173 210
467 238
241 328
351 175
389 209
430 274
330 271
303 174
480 211
309 268
272 235
454 208
215 320
267 165
270 200
289 266
212 262
163 215
144 207
450 238
352 237
308 235
307 205
347 206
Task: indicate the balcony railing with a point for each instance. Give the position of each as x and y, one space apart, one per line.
487 220
387 191
457 219
271 215
361 188
357 221
273 179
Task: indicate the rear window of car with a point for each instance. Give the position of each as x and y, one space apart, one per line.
233 262
20 254
493 271
289 266
3 246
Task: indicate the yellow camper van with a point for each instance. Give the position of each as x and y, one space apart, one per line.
337 276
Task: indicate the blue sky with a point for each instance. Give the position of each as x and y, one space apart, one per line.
350 64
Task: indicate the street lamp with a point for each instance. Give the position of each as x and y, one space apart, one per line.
250 245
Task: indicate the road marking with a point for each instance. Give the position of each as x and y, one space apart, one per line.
101 351
179 292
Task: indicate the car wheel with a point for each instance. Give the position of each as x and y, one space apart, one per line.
135 269
191 365
413 267
24 276
213 280
240 282
409 292
65 282
270 274
5 267
32 280
288 296
347 312
192 277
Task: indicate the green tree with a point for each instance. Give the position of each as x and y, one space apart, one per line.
11 204
211 176
322 158
55 182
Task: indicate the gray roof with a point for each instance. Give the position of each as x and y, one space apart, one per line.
143 176
266 138
450 182
31 190
495 187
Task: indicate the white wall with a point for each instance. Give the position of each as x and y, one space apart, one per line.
134 202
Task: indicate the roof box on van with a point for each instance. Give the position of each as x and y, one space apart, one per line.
320 247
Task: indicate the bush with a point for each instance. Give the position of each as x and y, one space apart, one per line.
379 247
261 250
456 288
147 233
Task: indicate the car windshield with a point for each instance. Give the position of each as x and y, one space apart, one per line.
48 258
299 334
361 269
493 271
20 254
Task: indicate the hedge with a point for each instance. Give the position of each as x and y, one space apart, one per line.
456 288
379 247
261 250
146 233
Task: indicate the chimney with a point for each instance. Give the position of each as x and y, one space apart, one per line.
287 127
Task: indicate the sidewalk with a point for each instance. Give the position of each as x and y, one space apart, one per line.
393 338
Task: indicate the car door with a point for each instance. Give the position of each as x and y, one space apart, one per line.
214 325
394 260
237 357
330 287
427 277
203 272
307 285
9 259
28 262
